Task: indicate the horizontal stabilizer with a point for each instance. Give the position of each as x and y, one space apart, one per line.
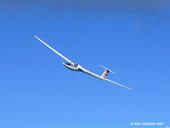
106 69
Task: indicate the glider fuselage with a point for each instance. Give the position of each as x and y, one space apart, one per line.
77 67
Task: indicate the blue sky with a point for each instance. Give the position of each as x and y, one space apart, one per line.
37 91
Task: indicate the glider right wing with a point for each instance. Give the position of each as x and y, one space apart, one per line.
54 50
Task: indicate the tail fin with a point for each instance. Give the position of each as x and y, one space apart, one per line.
106 72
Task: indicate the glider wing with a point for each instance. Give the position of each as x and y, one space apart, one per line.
54 50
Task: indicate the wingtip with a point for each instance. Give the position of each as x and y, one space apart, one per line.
38 38
35 36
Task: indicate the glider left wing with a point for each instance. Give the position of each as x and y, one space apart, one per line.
117 83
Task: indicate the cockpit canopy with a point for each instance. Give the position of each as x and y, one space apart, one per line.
68 63
75 65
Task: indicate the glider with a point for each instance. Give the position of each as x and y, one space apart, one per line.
76 67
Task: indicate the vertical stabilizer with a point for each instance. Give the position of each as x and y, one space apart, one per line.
106 72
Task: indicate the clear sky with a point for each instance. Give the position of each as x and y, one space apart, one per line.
37 91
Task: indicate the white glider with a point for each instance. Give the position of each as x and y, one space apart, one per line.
76 67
